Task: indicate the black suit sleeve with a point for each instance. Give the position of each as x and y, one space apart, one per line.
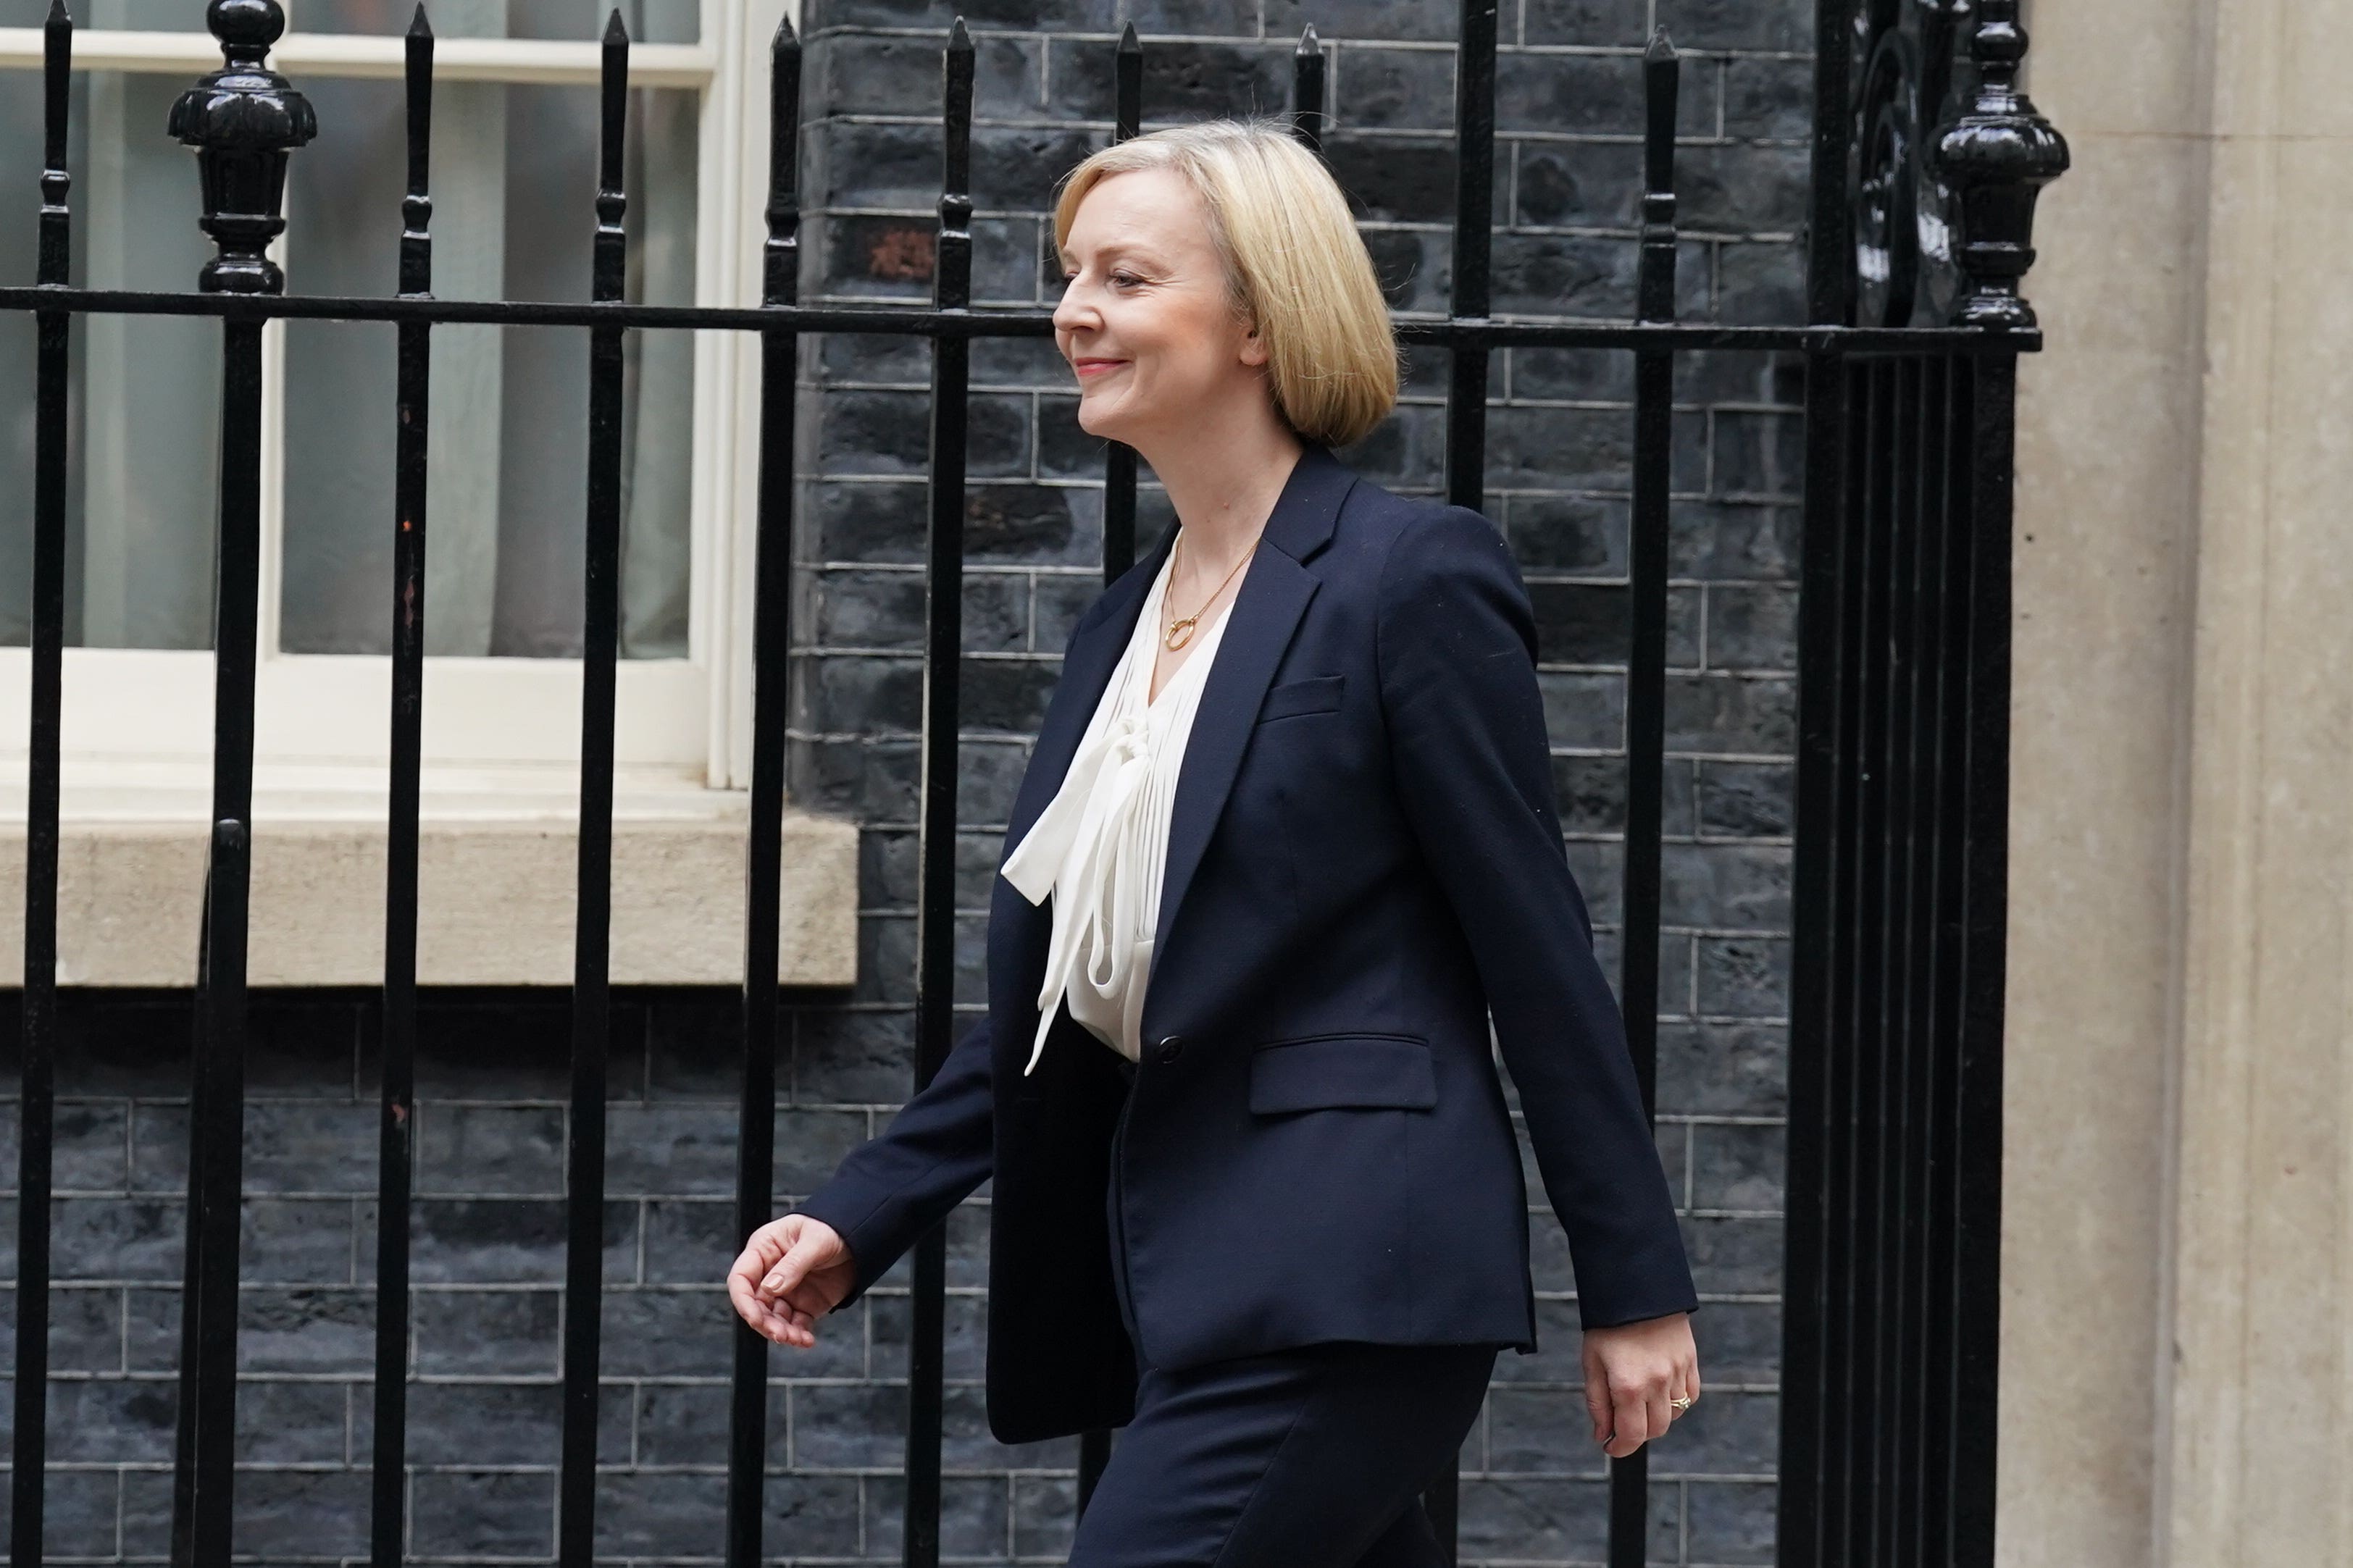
1456 644
892 1189
895 1186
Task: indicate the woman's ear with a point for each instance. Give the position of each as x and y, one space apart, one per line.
1253 346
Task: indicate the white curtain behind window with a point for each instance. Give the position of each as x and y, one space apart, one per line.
513 180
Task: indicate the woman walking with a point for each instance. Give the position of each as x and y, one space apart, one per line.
1287 843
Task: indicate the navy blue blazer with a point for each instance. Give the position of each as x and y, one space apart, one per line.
1365 861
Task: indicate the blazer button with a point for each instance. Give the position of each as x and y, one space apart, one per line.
1171 1047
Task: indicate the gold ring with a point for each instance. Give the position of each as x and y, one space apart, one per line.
1683 1404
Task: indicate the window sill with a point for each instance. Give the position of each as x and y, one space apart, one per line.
497 856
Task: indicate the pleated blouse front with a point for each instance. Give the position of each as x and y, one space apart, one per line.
1101 843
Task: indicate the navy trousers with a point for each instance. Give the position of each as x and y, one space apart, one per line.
1310 1457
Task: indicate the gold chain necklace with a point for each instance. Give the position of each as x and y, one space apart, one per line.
1180 632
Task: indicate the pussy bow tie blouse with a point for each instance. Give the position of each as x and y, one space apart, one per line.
1101 844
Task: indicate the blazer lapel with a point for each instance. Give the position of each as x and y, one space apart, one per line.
1265 613
1086 670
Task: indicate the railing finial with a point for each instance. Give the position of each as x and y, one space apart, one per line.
243 120
1127 85
1997 157
780 256
1655 263
55 243
1308 120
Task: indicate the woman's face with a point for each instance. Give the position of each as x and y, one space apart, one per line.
1144 320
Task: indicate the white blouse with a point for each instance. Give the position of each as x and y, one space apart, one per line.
1102 842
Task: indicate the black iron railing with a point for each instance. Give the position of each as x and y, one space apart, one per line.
1891 1285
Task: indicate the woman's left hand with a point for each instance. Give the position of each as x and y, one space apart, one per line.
1632 1372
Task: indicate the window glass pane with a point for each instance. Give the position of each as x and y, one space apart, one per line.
649 21
144 390
514 178
151 15
20 148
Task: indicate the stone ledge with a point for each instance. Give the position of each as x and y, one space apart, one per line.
495 897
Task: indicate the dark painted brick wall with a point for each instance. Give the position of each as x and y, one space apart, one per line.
490 1123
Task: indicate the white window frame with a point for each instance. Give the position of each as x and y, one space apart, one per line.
681 723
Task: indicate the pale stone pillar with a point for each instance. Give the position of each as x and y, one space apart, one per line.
2261 1455
2106 547
2177 1255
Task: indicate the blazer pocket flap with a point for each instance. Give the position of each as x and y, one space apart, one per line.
1327 1071
1316 694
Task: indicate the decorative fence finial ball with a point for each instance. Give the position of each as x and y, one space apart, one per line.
242 120
246 26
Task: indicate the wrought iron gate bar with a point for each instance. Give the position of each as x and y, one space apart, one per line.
937 812
243 120
1891 1282
1890 1237
756 1168
1898 1326
37 1108
1972 1229
1647 571
1931 703
396 1016
1943 993
592 1012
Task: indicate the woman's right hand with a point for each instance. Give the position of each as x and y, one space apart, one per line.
792 1272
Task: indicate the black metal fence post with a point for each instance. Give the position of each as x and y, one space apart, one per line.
396 1126
1817 873
756 1168
1649 525
936 832
1998 155
243 120
37 1105
1925 870
592 1015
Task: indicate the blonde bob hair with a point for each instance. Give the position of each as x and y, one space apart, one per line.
1295 267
